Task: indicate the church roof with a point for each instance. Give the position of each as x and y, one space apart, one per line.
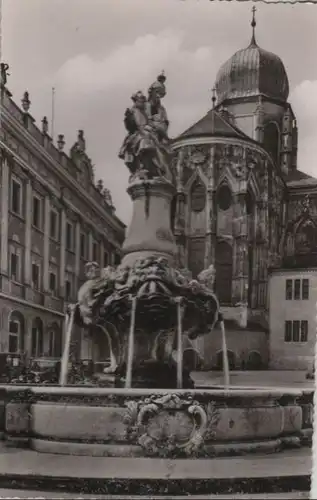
213 124
252 71
299 179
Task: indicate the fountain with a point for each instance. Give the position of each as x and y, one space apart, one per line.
150 311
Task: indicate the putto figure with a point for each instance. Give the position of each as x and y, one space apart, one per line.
146 150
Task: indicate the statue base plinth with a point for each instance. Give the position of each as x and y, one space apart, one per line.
149 233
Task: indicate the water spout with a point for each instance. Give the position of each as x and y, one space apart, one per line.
179 344
128 379
69 322
224 353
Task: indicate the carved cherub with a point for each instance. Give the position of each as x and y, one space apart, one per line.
85 295
207 277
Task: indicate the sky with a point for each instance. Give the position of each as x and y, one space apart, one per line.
97 53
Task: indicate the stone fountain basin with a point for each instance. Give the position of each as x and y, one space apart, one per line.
140 422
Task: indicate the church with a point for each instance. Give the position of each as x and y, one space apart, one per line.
244 205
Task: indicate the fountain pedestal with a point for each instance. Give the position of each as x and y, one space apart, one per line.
149 233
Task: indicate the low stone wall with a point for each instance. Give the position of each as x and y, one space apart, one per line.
139 422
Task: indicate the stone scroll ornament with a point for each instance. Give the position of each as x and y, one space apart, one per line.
105 296
167 425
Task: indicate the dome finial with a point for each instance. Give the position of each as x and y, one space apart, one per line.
253 24
214 98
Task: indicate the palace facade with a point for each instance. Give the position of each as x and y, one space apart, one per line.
54 218
244 205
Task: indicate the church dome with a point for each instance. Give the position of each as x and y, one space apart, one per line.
250 72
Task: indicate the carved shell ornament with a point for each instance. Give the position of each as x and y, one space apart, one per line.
198 157
167 425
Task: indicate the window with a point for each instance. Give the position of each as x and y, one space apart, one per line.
198 196
37 212
296 331
54 344
14 336
69 236
288 331
297 289
51 342
16 197
37 347
82 246
304 331
289 290
224 197
117 259
105 259
52 283
68 289
95 252
35 276
53 225
305 289
15 266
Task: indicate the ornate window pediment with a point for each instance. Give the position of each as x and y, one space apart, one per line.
306 237
82 161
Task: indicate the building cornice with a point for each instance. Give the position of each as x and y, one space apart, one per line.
302 190
11 298
193 141
283 271
55 192
40 152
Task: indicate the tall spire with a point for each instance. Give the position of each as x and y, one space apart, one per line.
253 24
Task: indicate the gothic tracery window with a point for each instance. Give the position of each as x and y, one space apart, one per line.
198 196
271 140
223 282
224 197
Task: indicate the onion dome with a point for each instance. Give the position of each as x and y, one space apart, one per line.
252 71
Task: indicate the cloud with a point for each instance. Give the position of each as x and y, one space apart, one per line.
96 91
131 65
304 102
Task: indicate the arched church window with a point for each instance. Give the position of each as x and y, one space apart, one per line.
224 197
16 332
249 202
271 140
223 282
198 196
306 238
